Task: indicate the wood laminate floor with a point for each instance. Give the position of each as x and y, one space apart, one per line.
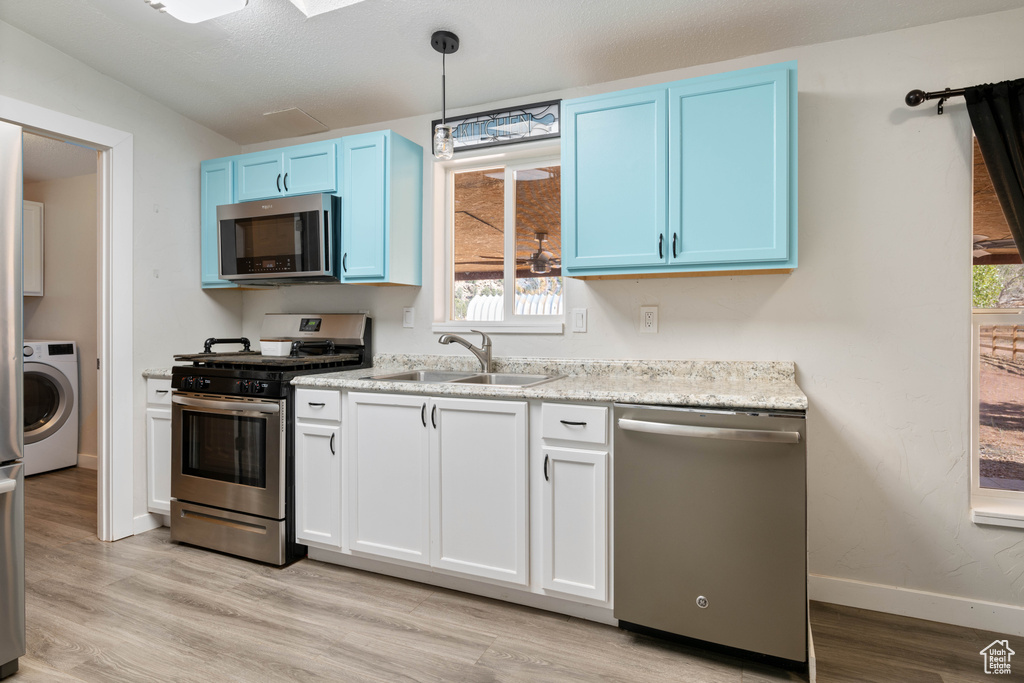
145 609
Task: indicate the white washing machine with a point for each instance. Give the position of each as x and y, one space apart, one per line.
51 405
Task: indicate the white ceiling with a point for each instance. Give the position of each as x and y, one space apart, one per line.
46 159
372 61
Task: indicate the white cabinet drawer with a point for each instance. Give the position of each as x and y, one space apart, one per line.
158 391
318 404
585 424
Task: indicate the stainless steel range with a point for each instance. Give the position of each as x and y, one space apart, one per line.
232 459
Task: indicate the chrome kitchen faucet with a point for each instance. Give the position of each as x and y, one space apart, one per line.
482 353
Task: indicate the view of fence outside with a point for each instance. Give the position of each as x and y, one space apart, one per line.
1001 406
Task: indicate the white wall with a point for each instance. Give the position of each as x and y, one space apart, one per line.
171 313
876 316
67 309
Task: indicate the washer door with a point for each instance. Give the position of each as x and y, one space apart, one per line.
48 401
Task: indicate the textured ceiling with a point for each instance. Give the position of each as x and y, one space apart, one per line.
372 61
46 159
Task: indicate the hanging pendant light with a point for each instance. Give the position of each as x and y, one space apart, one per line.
446 43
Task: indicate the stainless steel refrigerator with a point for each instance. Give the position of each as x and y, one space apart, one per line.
12 477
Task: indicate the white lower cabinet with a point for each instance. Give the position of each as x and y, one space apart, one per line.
439 482
158 445
478 480
388 498
575 522
318 482
445 484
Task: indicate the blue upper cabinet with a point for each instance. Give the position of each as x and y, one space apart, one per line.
711 183
379 177
381 209
364 206
282 172
613 194
216 188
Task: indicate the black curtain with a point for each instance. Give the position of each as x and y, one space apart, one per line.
997 114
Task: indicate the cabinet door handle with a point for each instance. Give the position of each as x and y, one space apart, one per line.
546 457
316 405
570 423
332 445
433 416
285 182
423 414
673 245
344 259
661 246
278 182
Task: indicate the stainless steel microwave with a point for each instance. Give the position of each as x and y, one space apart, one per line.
285 240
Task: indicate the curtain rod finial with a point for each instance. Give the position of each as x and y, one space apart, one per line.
915 97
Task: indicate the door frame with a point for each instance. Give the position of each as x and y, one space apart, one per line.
115 421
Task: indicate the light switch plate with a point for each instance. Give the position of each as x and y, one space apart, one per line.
408 317
648 319
578 321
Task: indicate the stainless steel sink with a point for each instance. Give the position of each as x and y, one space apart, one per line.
507 379
424 376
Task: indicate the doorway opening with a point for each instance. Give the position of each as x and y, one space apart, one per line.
114 406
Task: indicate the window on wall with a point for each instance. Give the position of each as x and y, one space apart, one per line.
997 463
504 246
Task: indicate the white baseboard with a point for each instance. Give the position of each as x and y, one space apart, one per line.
948 609
87 462
148 521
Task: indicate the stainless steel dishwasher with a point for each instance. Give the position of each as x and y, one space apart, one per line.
710 526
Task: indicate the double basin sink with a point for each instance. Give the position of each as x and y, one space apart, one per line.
505 379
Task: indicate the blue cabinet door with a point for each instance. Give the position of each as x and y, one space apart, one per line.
216 188
729 160
259 175
364 206
310 168
614 180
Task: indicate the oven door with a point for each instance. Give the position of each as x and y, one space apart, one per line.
229 453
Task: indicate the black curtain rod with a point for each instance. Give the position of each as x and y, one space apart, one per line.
916 97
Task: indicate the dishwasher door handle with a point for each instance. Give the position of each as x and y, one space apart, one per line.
762 435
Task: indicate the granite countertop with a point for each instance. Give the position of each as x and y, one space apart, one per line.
157 373
766 385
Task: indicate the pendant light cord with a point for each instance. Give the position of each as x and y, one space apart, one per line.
443 118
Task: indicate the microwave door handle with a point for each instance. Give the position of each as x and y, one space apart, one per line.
233 406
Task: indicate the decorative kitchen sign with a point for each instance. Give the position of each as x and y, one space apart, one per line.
504 126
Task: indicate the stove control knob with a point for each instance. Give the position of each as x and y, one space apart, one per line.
246 386
186 383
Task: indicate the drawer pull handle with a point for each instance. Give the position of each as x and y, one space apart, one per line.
161 391
571 423
317 405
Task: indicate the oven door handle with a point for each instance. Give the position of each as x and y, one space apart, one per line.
234 406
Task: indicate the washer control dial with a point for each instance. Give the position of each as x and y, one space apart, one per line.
27 351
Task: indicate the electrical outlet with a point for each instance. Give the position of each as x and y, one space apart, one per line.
579 320
649 319
408 317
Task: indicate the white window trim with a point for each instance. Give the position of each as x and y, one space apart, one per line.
546 151
993 507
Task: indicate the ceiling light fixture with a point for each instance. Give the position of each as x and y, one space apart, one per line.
446 43
195 11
